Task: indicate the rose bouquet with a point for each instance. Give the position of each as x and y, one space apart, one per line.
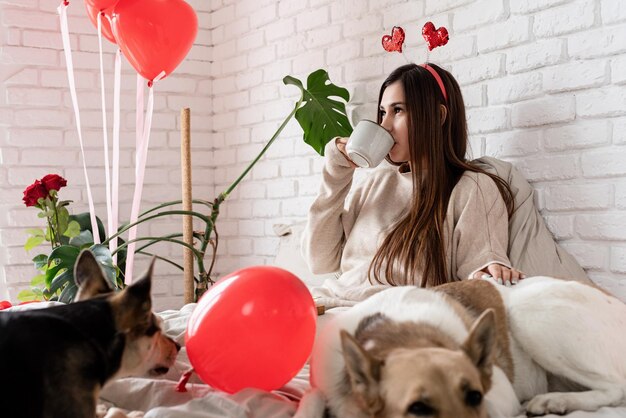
67 235
43 194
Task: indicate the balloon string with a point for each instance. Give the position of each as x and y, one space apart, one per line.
140 171
107 163
116 152
107 18
138 120
70 76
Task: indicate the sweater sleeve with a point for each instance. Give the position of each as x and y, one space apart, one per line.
324 235
480 235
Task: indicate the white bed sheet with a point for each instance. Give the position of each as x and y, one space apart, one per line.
158 398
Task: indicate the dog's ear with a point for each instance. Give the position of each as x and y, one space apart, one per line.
89 277
480 345
135 302
364 372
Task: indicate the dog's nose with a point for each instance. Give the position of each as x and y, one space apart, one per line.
177 346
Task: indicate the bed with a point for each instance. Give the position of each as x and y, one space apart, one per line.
158 397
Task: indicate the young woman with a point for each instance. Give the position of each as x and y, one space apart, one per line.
431 217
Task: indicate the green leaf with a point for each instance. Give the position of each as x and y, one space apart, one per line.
27 295
36 232
62 257
84 238
33 242
47 295
41 262
48 234
68 294
84 221
73 229
321 117
64 203
63 218
103 256
67 277
38 281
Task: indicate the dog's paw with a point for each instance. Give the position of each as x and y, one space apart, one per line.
548 403
101 410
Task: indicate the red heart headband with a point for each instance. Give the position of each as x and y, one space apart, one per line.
438 79
433 37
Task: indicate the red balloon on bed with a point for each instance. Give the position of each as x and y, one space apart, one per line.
253 329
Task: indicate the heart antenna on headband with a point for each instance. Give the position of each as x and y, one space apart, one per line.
434 37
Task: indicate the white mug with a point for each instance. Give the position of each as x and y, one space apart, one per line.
369 144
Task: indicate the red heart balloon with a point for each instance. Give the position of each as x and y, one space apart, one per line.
154 35
395 41
92 12
434 37
101 4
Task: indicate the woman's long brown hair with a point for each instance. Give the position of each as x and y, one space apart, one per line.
413 253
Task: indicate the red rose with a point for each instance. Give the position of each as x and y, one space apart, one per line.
34 192
54 182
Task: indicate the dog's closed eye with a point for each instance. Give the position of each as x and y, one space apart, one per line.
420 409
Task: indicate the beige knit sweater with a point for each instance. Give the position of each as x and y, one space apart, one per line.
343 234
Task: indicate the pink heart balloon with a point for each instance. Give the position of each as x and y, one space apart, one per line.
101 4
154 35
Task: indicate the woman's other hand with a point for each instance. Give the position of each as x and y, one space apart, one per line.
501 274
341 146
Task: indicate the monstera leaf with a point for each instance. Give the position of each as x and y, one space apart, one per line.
60 272
321 117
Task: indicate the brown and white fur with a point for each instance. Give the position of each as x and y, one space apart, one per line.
472 349
54 361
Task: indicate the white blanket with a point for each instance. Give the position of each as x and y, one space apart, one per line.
159 399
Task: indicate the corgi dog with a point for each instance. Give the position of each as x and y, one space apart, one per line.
54 361
471 349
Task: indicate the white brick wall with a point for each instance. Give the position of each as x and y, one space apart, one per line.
38 134
544 81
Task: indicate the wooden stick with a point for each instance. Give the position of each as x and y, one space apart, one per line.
185 159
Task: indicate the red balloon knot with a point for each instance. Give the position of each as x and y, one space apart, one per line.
182 383
150 83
